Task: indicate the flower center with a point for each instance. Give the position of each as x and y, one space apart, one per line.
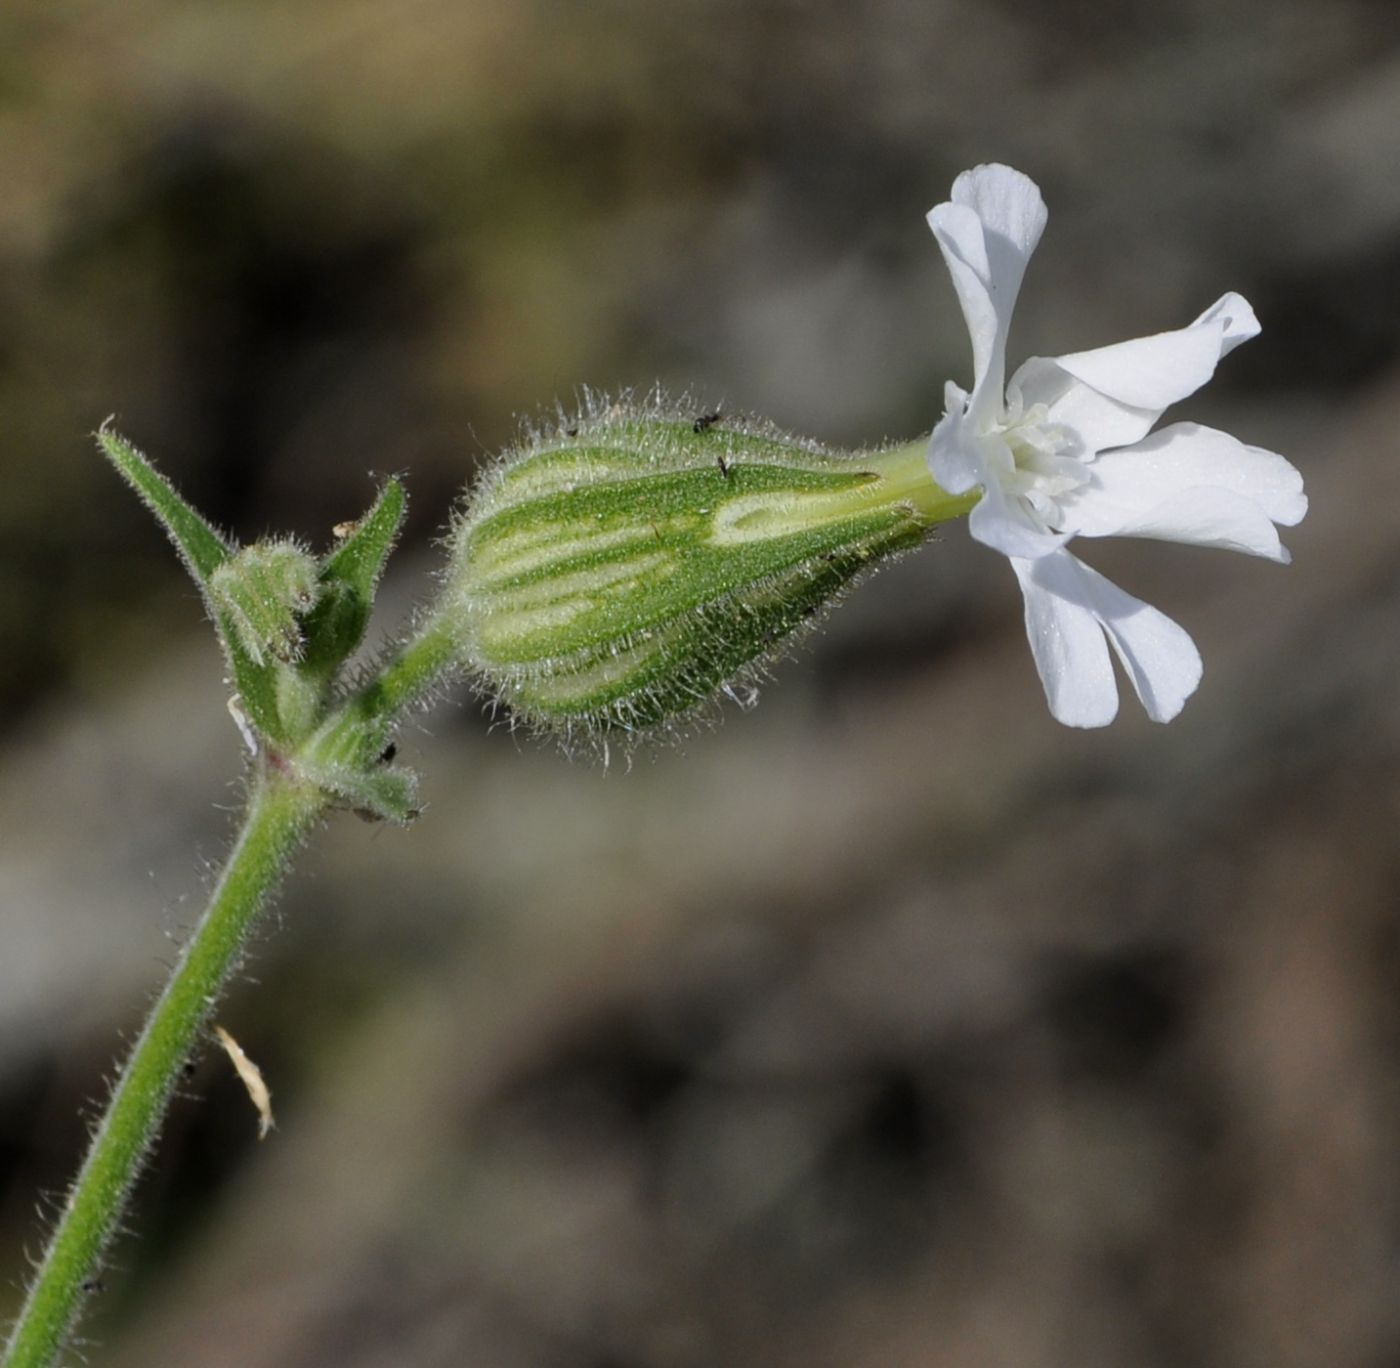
1042 473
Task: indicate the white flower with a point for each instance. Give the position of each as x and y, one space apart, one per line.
1065 451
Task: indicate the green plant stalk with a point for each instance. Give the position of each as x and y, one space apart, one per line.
359 728
280 811
423 666
905 476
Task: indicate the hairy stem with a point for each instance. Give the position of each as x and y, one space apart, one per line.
280 811
425 664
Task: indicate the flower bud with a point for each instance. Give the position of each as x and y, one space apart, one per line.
631 564
265 589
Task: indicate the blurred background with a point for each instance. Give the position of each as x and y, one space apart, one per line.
889 1024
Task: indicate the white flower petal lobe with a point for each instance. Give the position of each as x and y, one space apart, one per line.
1070 652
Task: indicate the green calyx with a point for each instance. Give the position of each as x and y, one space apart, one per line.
627 566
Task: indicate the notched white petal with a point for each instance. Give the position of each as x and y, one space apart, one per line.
1267 478
958 232
987 233
1159 657
1237 318
1155 372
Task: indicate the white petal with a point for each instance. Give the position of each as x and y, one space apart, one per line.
1182 450
987 233
1159 656
986 309
1007 201
1112 396
1203 517
954 453
1095 420
1064 599
1008 525
1069 649
1155 372
1238 317
1193 484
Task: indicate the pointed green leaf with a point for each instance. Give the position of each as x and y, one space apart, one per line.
201 548
349 576
359 559
203 551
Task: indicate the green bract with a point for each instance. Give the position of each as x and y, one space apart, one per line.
624 567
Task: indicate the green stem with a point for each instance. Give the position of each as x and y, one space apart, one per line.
905 476
433 656
430 657
279 813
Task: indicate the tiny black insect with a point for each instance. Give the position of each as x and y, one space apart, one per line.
92 1286
387 755
723 466
706 421
571 432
